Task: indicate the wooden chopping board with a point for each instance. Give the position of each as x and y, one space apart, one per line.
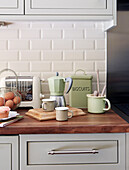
40 115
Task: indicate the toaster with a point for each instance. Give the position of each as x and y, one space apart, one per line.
29 87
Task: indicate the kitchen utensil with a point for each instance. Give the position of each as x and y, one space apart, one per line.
96 93
103 91
40 115
48 105
98 82
28 87
82 85
96 104
62 113
57 87
10 96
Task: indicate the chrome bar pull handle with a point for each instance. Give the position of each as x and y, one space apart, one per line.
68 152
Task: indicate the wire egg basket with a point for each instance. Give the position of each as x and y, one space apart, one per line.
10 96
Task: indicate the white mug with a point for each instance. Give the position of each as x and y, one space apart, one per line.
48 105
62 113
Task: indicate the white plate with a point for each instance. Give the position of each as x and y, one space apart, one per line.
11 115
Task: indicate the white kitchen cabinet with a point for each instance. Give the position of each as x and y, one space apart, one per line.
69 151
9 152
8 7
127 150
102 10
69 7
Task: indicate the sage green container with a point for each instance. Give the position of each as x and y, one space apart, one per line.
82 85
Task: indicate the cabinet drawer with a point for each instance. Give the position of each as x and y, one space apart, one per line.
65 152
11 7
110 147
69 7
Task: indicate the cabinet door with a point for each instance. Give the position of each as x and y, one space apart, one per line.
11 7
9 153
127 151
69 7
72 151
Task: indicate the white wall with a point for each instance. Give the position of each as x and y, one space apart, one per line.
42 48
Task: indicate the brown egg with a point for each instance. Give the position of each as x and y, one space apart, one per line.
9 103
1 101
17 100
9 96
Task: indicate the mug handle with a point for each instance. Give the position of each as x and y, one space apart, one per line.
71 114
43 106
109 105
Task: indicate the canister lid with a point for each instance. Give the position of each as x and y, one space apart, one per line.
83 76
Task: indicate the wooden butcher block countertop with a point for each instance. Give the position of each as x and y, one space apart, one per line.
108 122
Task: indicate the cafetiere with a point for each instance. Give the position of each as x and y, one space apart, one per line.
57 87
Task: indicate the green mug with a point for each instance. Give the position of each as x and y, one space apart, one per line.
96 104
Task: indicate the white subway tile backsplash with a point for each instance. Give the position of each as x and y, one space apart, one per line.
9 56
38 74
30 55
3 45
18 44
100 44
73 34
62 45
73 55
95 34
85 65
40 44
51 55
45 88
68 74
102 77
95 55
30 34
94 74
100 65
41 25
19 66
51 34
84 44
3 65
62 66
43 48
8 34
40 66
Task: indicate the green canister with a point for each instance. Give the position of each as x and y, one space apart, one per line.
82 85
